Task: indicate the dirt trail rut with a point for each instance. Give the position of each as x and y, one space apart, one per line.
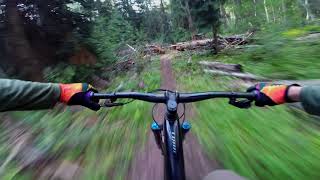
148 161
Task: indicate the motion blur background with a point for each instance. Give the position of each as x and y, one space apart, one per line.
116 45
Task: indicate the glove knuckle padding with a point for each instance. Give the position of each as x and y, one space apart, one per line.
269 94
78 94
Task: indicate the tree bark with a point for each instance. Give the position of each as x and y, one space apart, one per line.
18 48
215 39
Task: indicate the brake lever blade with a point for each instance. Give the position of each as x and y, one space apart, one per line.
109 105
244 104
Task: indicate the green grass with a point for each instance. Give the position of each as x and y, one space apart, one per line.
265 143
106 147
297 32
279 55
258 143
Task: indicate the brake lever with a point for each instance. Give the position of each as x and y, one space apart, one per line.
243 104
109 105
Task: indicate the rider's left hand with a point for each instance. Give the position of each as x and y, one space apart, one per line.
78 94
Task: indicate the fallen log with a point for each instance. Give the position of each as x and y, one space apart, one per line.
310 37
223 42
154 49
222 66
191 45
246 76
247 46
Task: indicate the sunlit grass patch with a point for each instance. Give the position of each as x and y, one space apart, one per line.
296 32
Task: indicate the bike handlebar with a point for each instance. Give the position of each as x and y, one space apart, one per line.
181 97
194 97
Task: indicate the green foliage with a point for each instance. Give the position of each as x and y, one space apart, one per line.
207 13
180 35
195 16
258 143
109 34
178 14
105 141
278 57
296 32
241 16
65 73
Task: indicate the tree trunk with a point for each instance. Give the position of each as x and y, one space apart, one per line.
284 11
273 14
190 20
215 39
164 26
309 15
237 11
17 46
255 7
224 15
246 76
266 10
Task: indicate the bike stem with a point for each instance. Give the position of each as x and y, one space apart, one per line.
171 116
172 106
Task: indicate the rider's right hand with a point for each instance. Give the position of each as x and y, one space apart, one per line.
271 94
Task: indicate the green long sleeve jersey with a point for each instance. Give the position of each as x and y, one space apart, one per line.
24 95
310 98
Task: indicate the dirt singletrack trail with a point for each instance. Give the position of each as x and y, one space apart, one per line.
148 161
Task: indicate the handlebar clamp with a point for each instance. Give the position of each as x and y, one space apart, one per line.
243 104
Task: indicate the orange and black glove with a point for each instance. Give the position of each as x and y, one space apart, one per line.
78 94
271 94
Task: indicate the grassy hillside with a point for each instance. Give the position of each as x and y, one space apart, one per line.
258 143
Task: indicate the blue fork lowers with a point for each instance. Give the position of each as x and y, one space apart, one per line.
157 132
185 126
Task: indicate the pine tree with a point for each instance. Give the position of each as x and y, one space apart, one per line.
109 34
207 15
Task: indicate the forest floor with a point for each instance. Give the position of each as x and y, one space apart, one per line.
197 163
